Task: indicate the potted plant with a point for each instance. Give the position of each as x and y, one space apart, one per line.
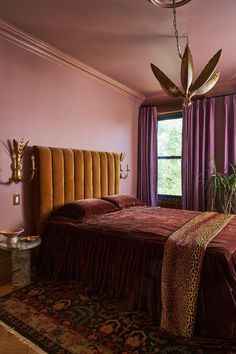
222 189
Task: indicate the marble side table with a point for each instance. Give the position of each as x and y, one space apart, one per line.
20 259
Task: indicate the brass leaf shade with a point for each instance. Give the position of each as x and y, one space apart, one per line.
204 83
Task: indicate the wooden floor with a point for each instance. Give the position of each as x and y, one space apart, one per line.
9 344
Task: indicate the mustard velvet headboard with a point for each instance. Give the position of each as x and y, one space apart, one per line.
65 175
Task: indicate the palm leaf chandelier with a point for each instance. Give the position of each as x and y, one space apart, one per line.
205 81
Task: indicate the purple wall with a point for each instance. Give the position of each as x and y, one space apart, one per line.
53 105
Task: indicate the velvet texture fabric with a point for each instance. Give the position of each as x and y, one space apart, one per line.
147 156
65 175
225 132
198 146
181 270
209 130
121 254
123 200
83 209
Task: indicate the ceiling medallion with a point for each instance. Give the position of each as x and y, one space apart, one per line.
205 81
169 3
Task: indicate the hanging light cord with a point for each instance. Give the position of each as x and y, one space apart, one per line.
177 32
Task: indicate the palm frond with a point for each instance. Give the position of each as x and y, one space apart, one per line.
222 188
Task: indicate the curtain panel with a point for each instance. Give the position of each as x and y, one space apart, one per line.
209 131
147 156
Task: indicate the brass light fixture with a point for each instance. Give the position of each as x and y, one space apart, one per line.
122 156
17 151
205 81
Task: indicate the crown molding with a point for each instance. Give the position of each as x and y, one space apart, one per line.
34 45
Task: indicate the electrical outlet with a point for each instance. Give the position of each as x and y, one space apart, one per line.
16 199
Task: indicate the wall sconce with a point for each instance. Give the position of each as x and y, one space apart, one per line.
122 156
17 151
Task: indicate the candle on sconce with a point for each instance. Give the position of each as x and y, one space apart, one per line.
14 160
33 162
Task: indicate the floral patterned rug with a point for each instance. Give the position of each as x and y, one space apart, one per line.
62 319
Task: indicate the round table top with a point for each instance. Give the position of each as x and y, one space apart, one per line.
22 243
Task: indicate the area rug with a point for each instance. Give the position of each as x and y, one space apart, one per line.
63 319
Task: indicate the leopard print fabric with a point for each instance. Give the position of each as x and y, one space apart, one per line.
181 268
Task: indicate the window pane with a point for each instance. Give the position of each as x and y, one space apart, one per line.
169 177
169 137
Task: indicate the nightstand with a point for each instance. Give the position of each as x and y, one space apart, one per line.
20 251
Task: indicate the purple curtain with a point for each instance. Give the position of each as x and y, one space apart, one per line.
209 130
226 133
147 156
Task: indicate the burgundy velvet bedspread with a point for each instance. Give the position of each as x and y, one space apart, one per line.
121 254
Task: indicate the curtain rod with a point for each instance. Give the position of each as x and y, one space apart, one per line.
227 94
149 105
165 113
200 98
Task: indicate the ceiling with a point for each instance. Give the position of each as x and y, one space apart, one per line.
120 38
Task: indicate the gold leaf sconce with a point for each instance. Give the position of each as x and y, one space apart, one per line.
122 156
17 152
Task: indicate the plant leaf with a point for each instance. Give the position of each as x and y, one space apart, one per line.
207 86
167 85
207 71
187 69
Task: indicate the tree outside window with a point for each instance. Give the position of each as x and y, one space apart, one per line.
169 142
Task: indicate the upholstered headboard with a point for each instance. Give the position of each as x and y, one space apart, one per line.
65 175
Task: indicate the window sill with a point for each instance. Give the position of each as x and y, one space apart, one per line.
174 202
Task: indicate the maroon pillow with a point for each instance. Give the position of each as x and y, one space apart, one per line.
123 201
85 208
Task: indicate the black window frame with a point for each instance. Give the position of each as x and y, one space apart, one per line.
169 116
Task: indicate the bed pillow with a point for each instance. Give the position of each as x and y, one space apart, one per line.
85 208
123 200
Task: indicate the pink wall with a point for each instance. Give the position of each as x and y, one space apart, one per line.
53 105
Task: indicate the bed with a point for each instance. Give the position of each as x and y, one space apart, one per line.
120 251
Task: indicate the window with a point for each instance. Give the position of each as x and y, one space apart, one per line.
169 142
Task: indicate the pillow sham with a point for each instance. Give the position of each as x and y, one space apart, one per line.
83 209
123 200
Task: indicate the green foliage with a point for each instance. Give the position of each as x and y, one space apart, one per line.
169 144
222 188
169 177
170 137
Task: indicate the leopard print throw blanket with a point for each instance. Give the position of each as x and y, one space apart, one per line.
182 261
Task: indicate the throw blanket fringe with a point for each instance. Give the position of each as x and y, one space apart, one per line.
181 268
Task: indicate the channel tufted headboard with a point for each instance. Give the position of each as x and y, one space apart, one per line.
65 175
